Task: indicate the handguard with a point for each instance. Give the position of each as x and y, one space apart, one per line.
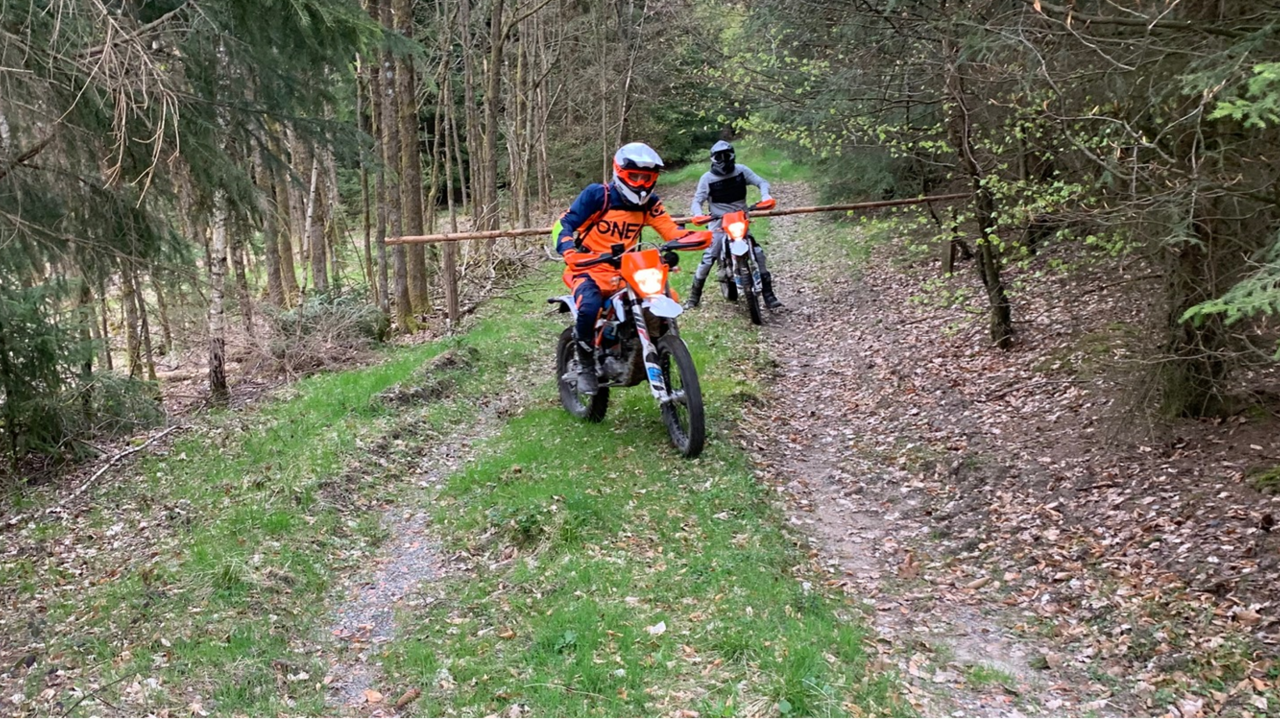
765 204
700 240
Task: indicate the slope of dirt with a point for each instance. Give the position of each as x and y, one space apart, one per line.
1018 557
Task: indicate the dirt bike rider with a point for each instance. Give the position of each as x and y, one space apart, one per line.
725 187
600 217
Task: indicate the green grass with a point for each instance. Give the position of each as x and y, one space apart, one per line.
980 675
586 536
251 520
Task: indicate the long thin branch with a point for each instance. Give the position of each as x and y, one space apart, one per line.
101 471
31 152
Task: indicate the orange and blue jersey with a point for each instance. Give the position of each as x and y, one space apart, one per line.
603 219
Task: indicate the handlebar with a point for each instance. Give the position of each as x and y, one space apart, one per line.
697 240
769 204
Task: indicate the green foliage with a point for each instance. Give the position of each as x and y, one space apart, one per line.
36 357
1261 102
1257 295
46 399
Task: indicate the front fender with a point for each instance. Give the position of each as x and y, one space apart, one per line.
663 306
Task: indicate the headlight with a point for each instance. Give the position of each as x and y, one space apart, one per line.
736 230
649 280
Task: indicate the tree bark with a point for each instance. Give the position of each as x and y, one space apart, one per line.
235 251
450 262
144 330
270 231
132 342
960 129
219 393
410 160
366 126
166 329
391 159
107 362
288 224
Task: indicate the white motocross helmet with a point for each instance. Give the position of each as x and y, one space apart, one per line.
635 171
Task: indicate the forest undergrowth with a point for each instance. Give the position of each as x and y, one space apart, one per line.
1031 489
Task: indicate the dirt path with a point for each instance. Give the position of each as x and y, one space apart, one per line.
366 619
865 515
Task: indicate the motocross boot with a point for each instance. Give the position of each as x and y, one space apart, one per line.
695 293
766 291
588 383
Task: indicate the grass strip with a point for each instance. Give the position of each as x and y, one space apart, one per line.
612 577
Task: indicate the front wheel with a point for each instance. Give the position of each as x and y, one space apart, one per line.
682 414
588 407
749 290
728 288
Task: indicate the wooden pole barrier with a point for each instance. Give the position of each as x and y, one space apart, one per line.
528 232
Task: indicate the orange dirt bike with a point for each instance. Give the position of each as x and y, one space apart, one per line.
638 340
738 274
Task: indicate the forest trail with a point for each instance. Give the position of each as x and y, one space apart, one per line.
861 511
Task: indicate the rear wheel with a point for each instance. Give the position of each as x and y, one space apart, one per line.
683 414
588 407
749 290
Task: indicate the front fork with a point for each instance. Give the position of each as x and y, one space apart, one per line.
732 262
649 352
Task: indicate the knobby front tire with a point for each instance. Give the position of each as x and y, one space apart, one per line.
749 290
684 418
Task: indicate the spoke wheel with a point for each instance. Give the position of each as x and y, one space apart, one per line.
728 288
749 290
588 407
683 415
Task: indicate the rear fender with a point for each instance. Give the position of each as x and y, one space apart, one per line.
565 304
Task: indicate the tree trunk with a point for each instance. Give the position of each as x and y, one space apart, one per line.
144 327
379 126
219 393
166 329
488 214
335 229
84 315
243 297
366 126
317 215
960 129
475 151
1192 377
106 332
270 231
288 224
391 159
410 161
450 252
132 343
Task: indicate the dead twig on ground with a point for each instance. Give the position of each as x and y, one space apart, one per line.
101 471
